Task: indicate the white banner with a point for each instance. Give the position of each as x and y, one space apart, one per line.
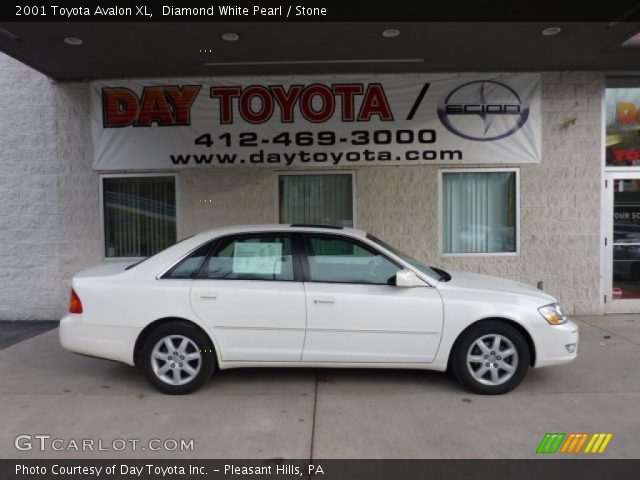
339 120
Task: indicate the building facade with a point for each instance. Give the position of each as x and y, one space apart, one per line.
56 216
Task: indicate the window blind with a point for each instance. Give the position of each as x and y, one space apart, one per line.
479 212
316 199
139 215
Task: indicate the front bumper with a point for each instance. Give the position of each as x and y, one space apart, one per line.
552 343
103 341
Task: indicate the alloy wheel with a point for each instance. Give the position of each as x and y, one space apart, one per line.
176 359
492 359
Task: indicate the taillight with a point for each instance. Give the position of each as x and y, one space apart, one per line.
75 305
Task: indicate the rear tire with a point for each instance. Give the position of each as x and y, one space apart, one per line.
490 358
177 358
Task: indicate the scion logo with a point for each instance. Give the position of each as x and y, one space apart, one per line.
483 110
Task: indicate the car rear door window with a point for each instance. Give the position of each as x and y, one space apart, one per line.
251 257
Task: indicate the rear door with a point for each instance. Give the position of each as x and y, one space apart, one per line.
354 312
249 292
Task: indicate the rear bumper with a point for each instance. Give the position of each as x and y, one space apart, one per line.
104 341
553 342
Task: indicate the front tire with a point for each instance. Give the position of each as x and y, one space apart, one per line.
177 358
490 358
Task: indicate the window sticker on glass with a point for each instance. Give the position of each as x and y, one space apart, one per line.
258 258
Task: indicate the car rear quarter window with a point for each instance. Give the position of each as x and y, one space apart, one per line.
189 266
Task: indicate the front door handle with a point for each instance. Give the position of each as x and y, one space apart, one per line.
319 300
208 295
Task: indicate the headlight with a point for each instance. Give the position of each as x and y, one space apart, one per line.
553 314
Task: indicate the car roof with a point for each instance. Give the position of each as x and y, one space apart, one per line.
159 262
275 227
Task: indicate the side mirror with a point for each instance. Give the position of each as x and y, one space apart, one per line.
406 278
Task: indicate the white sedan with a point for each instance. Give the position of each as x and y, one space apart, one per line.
310 296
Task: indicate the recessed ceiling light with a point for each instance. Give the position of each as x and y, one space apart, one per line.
390 33
230 37
547 32
73 41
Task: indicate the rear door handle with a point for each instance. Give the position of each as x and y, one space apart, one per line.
319 300
208 295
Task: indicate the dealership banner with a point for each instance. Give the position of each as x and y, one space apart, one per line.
321 121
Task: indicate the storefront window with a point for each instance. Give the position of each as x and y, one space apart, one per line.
139 215
316 199
623 127
626 239
479 212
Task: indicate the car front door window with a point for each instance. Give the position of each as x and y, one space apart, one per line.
336 260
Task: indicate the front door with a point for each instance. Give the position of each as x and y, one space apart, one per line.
251 295
623 239
354 312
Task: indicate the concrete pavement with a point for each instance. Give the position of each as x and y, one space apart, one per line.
291 413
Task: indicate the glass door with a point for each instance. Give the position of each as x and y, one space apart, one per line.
624 242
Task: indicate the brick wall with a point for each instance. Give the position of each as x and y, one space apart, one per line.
49 205
559 201
50 212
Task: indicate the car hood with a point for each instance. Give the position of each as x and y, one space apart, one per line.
488 283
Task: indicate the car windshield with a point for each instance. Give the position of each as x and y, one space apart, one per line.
432 272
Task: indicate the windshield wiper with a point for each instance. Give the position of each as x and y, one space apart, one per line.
443 276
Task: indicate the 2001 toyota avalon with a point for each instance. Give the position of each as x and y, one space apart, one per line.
296 295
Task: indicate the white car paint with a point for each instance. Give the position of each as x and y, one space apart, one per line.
276 323
253 320
371 323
